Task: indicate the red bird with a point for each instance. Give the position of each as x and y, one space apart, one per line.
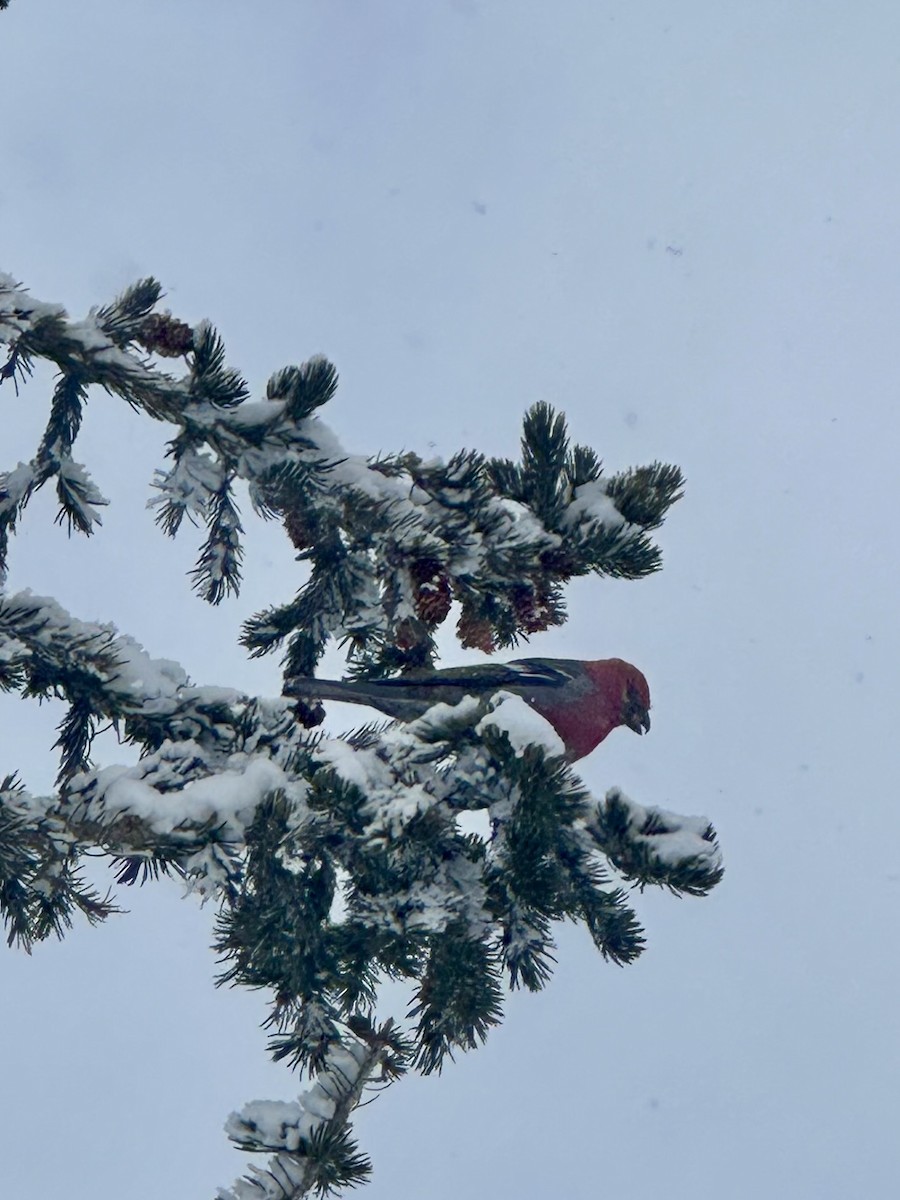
583 701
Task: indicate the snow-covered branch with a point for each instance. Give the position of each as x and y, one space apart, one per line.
392 541
651 845
335 863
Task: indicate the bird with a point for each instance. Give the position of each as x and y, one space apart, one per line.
584 701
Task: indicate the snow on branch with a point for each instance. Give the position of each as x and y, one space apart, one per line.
310 1137
336 863
392 541
654 846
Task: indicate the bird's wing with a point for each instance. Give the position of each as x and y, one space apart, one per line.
521 672
542 672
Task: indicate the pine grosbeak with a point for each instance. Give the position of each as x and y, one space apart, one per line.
583 701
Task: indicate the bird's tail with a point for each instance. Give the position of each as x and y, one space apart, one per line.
321 689
389 702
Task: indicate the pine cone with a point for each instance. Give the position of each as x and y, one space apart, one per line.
433 594
532 612
475 632
407 635
162 334
297 530
309 715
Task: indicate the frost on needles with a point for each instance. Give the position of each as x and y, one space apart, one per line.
335 863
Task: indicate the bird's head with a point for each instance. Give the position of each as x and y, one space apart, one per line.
625 693
635 711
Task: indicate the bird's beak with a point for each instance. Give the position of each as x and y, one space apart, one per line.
636 715
638 720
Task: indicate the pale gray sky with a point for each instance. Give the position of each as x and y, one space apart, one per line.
678 223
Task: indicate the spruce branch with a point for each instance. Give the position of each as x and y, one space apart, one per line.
314 1151
218 569
651 846
337 864
391 541
277 825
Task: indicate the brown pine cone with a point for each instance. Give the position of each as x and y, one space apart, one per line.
531 611
297 530
433 594
475 632
162 334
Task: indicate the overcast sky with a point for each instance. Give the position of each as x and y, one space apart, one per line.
677 222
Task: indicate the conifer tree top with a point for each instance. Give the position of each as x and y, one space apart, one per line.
336 863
